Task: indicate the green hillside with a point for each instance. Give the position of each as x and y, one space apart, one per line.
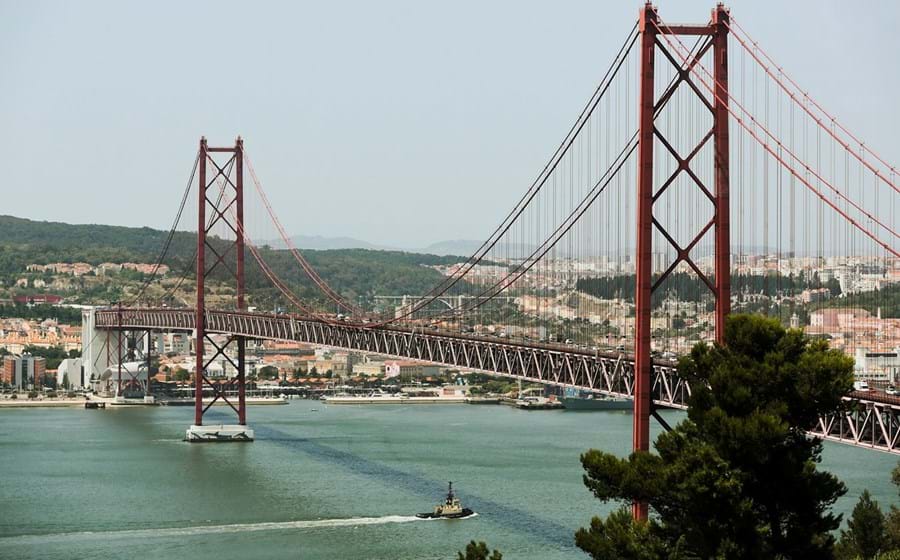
355 273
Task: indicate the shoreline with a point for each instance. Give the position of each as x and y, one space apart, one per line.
54 403
79 403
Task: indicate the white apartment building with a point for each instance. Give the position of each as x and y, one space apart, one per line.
71 369
877 366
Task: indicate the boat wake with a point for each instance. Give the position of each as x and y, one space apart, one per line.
207 529
470 516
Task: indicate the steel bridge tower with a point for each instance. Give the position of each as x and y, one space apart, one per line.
647 193
226 208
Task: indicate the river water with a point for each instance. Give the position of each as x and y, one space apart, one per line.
336 482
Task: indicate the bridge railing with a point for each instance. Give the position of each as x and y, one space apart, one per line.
612 374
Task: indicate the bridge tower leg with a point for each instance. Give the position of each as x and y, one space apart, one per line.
119 356
644 261
719 32
646 281
149 361
239 249
200 319
227 204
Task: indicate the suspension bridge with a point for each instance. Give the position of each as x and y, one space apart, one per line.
698 179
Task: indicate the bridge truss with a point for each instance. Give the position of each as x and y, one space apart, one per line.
865 421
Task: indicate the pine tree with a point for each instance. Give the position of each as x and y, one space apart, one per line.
738 477
892 523
865 536
619 536
479 551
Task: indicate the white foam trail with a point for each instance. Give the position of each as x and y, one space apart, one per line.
470 516
207 529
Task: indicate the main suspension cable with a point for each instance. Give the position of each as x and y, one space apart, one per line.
450 281
169 237
818 120
768 148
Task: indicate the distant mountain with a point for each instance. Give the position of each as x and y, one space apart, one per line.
320 243
467 247
454 247
459 247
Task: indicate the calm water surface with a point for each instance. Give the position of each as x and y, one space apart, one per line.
320 482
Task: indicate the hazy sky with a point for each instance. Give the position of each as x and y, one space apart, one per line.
400 123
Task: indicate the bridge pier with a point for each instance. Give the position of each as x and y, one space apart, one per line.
218 433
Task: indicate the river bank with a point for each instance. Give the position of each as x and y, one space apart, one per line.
24 402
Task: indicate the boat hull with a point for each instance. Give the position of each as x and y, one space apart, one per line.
572 403
466 512
363 400
395 400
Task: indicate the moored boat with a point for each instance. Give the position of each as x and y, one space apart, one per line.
598 402
448 394
483 400
373 397
537 403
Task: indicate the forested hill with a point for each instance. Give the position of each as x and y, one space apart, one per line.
353 272
44 242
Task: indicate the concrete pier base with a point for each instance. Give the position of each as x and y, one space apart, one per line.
218 433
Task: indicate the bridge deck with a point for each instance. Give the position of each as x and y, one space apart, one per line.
867 421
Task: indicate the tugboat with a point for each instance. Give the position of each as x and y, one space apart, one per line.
450 509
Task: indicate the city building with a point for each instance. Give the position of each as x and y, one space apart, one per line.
177 343
812 296
71 370
17 334
369 369
23 372
37 299
877 366
409 368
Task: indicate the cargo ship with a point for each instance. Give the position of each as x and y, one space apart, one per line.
596 402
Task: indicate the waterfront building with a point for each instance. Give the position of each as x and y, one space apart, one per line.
23 372
335 365
73 370
878 366
369 369
410 368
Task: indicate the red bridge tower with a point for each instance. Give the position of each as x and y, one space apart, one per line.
223 195
647 193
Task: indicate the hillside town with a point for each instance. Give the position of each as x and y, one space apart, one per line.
871 337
